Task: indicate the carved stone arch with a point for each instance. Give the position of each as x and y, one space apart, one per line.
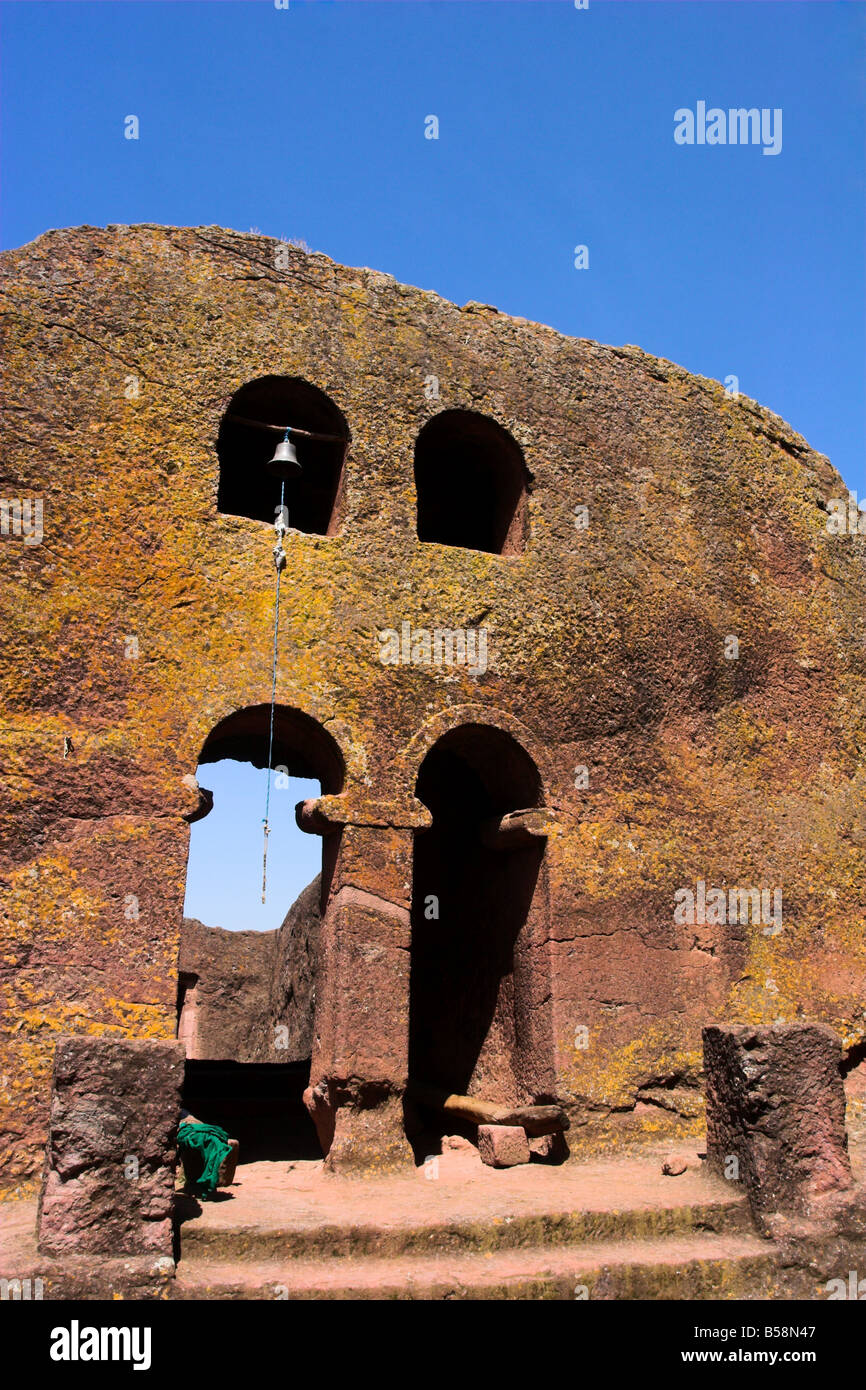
247 1002
307 711
444 721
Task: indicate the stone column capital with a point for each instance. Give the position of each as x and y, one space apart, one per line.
324 815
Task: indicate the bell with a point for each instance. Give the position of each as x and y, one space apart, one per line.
284 463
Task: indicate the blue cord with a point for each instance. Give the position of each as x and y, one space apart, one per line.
273 702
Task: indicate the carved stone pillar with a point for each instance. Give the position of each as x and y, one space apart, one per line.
361 1028
776 1105
108 1183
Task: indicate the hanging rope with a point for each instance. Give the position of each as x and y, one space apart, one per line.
281 527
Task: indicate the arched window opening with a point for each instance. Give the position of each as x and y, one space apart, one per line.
247 973
478 915
471 482
250 431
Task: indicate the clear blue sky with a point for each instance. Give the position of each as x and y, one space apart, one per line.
224 873
555 129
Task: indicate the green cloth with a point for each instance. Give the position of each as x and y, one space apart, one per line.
212 1145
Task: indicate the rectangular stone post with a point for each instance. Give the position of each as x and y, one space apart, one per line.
361 1033
108 1180
776 1112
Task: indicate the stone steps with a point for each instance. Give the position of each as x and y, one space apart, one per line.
385 1240
613 1230
610 1229
704 1265
617 1227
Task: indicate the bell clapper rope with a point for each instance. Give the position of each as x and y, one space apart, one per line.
281 526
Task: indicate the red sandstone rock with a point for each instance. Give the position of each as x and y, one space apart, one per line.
674 1165
109 1169
776 1103
502 1146
457 1141
225 993
322 1112
247 995
549 1148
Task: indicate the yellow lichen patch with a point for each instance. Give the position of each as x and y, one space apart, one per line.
609 1075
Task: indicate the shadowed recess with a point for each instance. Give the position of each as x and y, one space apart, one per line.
246 488
471 482
472 906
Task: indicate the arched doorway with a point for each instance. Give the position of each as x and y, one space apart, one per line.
479 994
246 998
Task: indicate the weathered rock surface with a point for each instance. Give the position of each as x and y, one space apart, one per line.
109 1178
143 620
226 986
248 996
776 1104
675 1165
293 982
549 1148
502 1146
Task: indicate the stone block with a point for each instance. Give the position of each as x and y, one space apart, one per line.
502 1146
108 1181
549 1148
776 1104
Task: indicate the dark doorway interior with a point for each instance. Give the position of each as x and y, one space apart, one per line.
260 1105
473 981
